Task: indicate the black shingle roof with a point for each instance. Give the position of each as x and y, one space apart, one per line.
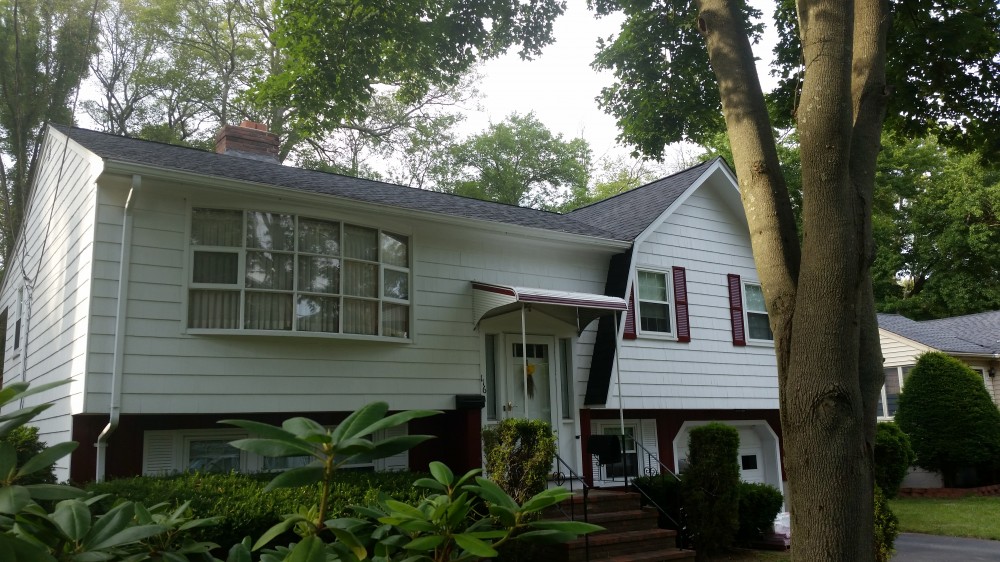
159 155
973 333
627 214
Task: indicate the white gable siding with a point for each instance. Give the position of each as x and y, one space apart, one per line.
706 238
898 351
168 370
55 254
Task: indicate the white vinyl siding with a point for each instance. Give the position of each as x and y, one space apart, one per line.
705 236
55 251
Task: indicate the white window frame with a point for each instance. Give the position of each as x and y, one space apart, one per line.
17 338
671 305
240 285
747 312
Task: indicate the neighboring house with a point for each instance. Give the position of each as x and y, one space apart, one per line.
177 287
973 339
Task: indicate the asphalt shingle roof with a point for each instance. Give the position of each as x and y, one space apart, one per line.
627 214
973 333
592 223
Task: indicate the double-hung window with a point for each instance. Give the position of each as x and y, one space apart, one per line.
758 327
262 271
654 302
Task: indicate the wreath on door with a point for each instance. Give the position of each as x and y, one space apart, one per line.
530 372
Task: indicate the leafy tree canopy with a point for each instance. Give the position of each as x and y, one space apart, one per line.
339 53
520 162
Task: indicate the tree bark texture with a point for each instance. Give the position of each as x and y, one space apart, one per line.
819 297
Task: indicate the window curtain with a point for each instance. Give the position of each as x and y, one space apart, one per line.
268 311
214 310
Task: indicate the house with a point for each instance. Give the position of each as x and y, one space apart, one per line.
178 287
973 339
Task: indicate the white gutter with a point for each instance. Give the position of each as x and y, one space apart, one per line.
119 350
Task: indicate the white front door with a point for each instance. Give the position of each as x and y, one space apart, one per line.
528 394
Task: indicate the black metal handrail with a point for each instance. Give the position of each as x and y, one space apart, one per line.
651 456
572 476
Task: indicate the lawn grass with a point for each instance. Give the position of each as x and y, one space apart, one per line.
748 555
976 517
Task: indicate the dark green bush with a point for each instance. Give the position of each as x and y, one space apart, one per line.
519 455
710 487
663 490
249 510
25 441
759 505
953 426
893 457
886 528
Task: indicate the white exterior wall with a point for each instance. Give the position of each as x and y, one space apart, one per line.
704 236
169 371
59 226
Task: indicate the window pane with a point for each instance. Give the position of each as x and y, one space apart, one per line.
758 327
319 275
360 279
891 390
216 267
214 310
748 462
395 320
319 237
565 352
360 317
395 249
652 286
360 243
214 227
267 270
397 284
491 377
213 456
654 317
273 464
270 231
755 298
318 314
268 311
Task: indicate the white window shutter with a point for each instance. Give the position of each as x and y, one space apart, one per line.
647 436
395 462
160 453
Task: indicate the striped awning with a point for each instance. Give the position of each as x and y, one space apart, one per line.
578 309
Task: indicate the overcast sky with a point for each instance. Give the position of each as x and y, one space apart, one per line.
560 86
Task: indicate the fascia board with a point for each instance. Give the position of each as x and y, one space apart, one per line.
266 190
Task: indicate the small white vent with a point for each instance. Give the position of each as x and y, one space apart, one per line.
160 454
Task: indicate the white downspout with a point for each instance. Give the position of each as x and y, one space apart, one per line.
119 350
25 306
524 362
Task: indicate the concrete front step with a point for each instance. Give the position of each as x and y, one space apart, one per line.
600 501
608 545
637 519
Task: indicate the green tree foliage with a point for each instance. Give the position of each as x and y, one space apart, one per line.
710 488
519 455
520 162
664 90
759 505
333 64
886 528
45 46
947 412
936 227
893 457
25 441
942 65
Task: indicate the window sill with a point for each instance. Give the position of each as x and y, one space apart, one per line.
290 334
657 336
760 343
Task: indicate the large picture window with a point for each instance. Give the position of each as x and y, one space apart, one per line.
262 271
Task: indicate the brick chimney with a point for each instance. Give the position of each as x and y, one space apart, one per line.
248 140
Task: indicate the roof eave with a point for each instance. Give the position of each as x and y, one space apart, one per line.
113 166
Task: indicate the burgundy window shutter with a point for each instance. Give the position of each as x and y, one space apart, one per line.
681 305
736 309
630 317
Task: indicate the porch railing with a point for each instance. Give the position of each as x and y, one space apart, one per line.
652 470
572 477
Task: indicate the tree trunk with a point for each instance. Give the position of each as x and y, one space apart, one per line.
820 302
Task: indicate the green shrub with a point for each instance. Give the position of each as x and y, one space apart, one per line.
710 487
953 426
759 505
886 528
893 457
519 455
665 491
24 438
244 505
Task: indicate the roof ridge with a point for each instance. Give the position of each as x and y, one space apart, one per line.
636 189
